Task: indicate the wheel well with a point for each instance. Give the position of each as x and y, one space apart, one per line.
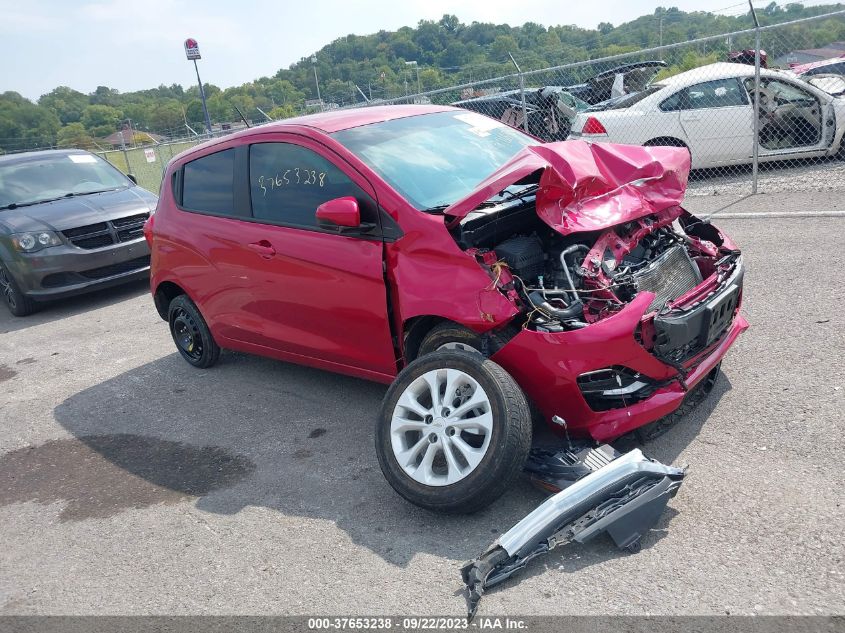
668 141
413 333
166 292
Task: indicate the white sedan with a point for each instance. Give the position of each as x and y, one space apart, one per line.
710 111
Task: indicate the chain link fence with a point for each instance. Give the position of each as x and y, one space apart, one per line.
767 121
746 119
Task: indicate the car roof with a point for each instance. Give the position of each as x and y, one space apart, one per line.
711 72
23 157
326 122
337 120
802 68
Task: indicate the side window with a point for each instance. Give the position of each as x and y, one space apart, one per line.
208 184
673 103
721 93
787 93
288 182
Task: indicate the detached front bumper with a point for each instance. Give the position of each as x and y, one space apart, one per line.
63 271
547 366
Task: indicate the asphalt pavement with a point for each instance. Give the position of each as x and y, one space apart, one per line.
131 483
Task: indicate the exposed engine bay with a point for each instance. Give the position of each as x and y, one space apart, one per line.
566 282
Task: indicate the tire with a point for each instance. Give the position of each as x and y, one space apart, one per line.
487 453
190 333
450 336
18 303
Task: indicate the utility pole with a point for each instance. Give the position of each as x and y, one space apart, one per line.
192 52
317 81
417 66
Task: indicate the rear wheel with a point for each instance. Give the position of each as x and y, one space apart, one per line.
453 432
18 303
191 334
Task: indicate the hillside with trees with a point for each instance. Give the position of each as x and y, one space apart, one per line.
447 52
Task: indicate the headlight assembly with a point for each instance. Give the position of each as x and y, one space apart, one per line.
31 242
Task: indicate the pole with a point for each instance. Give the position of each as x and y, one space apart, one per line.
521 93
755 150
202 96
125 153
419 85
317 81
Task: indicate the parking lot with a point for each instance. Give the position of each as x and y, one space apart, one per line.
131 483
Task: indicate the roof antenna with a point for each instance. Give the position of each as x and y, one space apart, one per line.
241 114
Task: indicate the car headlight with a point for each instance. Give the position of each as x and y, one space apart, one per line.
31 242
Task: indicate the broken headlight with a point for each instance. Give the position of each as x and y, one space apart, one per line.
614 388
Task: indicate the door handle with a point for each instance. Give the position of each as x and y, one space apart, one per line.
263 248
691 118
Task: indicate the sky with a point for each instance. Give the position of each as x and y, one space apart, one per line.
137 44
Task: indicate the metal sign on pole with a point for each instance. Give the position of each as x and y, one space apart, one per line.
192 52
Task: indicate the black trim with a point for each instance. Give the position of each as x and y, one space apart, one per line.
240 182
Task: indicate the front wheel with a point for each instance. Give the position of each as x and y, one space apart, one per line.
18 303
453 432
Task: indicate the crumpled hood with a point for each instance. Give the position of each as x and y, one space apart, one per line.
590 186
68 213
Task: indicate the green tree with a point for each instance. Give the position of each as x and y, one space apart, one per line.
74 135
101 120
24 125
282 112
66 103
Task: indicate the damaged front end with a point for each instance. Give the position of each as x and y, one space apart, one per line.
587 234
622 496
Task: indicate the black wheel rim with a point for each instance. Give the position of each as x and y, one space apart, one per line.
187 334
6 289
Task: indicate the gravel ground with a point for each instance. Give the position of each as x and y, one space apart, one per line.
822 175
131 483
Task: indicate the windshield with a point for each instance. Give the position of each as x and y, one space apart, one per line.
435 159
55 176
625 101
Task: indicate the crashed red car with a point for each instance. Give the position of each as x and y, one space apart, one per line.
488 277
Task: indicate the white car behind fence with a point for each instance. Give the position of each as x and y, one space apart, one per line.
710 111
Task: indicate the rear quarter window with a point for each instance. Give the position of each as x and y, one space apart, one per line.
208 184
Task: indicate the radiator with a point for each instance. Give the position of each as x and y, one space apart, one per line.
668 277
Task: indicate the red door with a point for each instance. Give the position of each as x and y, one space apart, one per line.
284 286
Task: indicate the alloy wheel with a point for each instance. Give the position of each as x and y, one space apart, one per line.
441 427
6 288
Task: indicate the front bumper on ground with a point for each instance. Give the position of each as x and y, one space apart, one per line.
63 271
547 367
623 497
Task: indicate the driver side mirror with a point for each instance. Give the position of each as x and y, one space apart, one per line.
339 214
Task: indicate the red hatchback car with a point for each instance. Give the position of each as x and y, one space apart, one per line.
490 278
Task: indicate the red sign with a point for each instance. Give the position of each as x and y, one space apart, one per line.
192 49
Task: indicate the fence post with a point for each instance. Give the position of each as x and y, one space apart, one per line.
521 93
756 140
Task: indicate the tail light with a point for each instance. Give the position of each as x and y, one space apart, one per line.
593 126
148 229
